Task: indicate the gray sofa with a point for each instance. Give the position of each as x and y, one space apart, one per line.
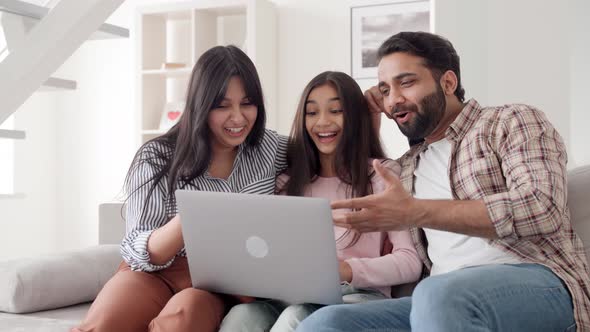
64 302
53 292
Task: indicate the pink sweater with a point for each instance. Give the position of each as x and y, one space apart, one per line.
371 267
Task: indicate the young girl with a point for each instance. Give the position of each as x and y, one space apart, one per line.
214 147
332 146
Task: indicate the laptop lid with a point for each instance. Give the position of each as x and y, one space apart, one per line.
277 247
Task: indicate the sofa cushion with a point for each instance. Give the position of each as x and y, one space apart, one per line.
21 323
579 204
55 281
58 320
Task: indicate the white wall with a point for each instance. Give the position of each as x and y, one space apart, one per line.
80 143
528 59
509 54
579 82
307 46
314 36
95 132
525 52
94 137
465 24
29 224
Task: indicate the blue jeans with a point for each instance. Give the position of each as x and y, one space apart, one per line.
278 316
521 297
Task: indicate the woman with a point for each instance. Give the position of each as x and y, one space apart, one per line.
219 144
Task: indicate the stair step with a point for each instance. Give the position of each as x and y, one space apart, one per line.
12 134
26 9
47 46
55 84
12 196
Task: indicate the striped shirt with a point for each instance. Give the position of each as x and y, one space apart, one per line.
513 159
254 172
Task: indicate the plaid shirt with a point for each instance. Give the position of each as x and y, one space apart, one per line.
513 159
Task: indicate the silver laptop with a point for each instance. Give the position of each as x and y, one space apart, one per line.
276 247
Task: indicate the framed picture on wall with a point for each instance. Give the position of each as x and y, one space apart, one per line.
371 24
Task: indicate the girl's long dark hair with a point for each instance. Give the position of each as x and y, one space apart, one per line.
359 141
190 139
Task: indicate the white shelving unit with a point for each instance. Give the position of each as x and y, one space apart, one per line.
181 32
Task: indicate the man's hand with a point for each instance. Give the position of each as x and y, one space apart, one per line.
375 100
345 271
390 210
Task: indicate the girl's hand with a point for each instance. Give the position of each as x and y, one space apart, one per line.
345 271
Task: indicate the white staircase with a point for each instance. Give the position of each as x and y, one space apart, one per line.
39 40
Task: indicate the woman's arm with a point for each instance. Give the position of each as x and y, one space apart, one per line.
146 215
281 162
165 242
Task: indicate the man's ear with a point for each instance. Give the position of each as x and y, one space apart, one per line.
449 82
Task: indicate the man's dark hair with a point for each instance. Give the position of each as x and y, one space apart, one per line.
438 53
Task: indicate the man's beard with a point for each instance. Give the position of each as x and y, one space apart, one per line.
432 109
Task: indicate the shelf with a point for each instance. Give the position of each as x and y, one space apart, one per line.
154 132
12 134
174 15
109 31
26 9
168 72
58 84
218 7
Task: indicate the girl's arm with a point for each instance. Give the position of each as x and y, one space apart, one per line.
400 266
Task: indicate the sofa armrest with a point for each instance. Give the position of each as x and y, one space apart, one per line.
111 223
578 192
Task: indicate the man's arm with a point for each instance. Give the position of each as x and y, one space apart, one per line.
464 217
395 209
533 159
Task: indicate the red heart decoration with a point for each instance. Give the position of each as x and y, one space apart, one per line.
173 115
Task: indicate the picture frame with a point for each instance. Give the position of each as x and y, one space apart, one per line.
371 24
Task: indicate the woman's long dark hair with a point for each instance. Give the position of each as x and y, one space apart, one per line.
190 138
359 142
